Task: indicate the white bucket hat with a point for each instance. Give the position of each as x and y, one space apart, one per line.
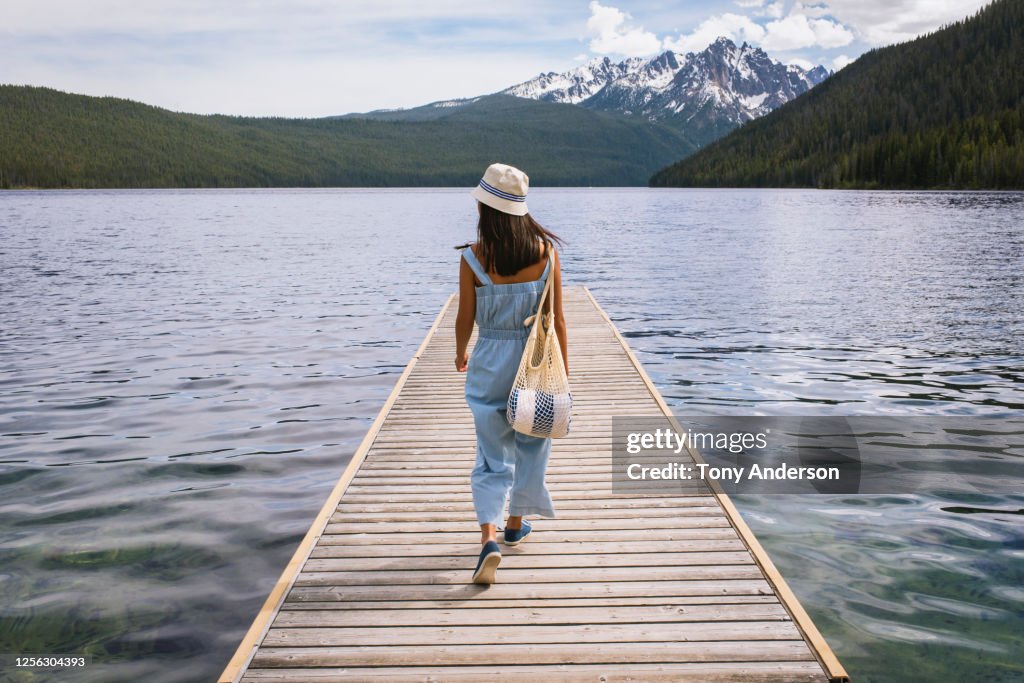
504 188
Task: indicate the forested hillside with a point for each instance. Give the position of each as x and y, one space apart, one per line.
943 111
54 139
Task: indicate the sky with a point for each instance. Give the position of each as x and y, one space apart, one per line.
310 58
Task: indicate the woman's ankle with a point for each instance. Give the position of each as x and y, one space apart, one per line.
488 532
514 522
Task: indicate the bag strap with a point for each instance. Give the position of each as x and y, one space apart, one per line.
536 317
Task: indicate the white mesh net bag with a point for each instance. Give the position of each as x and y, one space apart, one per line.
540 403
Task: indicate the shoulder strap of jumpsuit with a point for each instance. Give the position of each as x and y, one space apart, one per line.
478 269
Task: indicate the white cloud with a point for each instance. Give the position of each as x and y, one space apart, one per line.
830 34
841 61
794 32
882 22
804 64
613 36
826 24
737 27
797 31
818 10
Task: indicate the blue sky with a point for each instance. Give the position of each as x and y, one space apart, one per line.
323 57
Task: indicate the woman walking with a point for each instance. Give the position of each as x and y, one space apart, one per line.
501 279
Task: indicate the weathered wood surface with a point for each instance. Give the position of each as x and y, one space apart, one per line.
618 587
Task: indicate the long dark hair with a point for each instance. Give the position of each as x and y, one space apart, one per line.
506 244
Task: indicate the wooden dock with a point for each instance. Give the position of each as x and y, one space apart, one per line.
618 587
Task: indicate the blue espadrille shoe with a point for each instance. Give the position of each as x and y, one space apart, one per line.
487 565
517 536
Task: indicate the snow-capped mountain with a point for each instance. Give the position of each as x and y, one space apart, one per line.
706 92
578 85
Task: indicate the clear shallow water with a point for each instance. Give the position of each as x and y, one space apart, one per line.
184 374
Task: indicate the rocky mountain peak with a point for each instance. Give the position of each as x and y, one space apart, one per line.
717 88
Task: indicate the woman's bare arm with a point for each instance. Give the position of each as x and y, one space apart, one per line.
556 296
466 315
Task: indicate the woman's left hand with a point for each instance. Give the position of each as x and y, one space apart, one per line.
462 362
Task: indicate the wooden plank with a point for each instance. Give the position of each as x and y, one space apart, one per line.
549 525
477 616
678 672
404 515
524 575
483 601
565 507
457 561
419 487
410 501
540 653
505 591
471 548
550 537
515 634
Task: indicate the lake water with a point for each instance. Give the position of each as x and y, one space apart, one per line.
185 374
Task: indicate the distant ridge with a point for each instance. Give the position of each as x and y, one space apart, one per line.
52 139
601 124
942 111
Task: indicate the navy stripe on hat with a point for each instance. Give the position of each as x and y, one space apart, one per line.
499 193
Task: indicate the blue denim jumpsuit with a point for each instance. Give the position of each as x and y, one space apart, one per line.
506 461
